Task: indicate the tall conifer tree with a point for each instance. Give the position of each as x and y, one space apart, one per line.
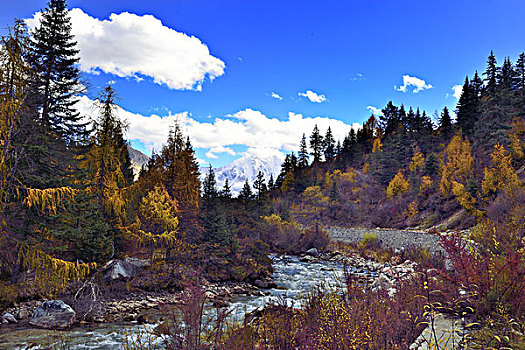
329 145
57 78
316 144
303 153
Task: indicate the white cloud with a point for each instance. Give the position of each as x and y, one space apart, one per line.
313 97
129 45
248 128
211 155
375 111
416 83
219 149
458 89
276 95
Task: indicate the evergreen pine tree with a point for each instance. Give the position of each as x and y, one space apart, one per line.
246 193
226 191
464 112
271 183
316 144
338 148
55 87
57 78
389 120
412 122
491 75
445 122
209 188
506 76
303 153
519 82
216 229
329 145
259 185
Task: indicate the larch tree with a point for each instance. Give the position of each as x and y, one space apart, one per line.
180 175
501 177
108 159
457 173
29 247
398 186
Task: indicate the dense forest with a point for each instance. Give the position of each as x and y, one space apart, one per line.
71 203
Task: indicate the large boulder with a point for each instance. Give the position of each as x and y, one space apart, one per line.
382 282
313 252
124 269
53 314
8 318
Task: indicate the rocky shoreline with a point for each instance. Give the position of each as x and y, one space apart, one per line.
141 307
134 307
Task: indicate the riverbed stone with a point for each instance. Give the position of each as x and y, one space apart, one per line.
265 284
53 314
9 318
313 252
382 282
124 269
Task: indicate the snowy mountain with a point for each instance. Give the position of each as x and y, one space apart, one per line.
236 172
244 168
138 159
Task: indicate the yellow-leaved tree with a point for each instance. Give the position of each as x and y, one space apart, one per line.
398 186
457 163
156 225
457 171
108 159
23 251
418 161
501 176
314 203
517 139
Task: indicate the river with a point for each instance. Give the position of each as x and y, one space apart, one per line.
293 279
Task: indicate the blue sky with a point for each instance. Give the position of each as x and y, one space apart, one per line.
355 53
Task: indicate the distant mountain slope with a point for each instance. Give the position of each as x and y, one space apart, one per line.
236 172
245 168
138 159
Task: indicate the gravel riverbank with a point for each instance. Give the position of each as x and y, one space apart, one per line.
396 239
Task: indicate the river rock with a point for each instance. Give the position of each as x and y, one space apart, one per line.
313 252
308 259
382 282
124 269
53 314
265 284
9 318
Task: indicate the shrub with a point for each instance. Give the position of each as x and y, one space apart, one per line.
349 317
369 241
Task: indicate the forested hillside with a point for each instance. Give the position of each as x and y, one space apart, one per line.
401 170
69 199
71 203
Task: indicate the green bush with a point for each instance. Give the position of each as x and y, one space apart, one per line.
369 241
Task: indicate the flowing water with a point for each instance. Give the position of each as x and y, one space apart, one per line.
293 278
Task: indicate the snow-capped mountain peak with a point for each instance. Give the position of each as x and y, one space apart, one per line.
244 168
